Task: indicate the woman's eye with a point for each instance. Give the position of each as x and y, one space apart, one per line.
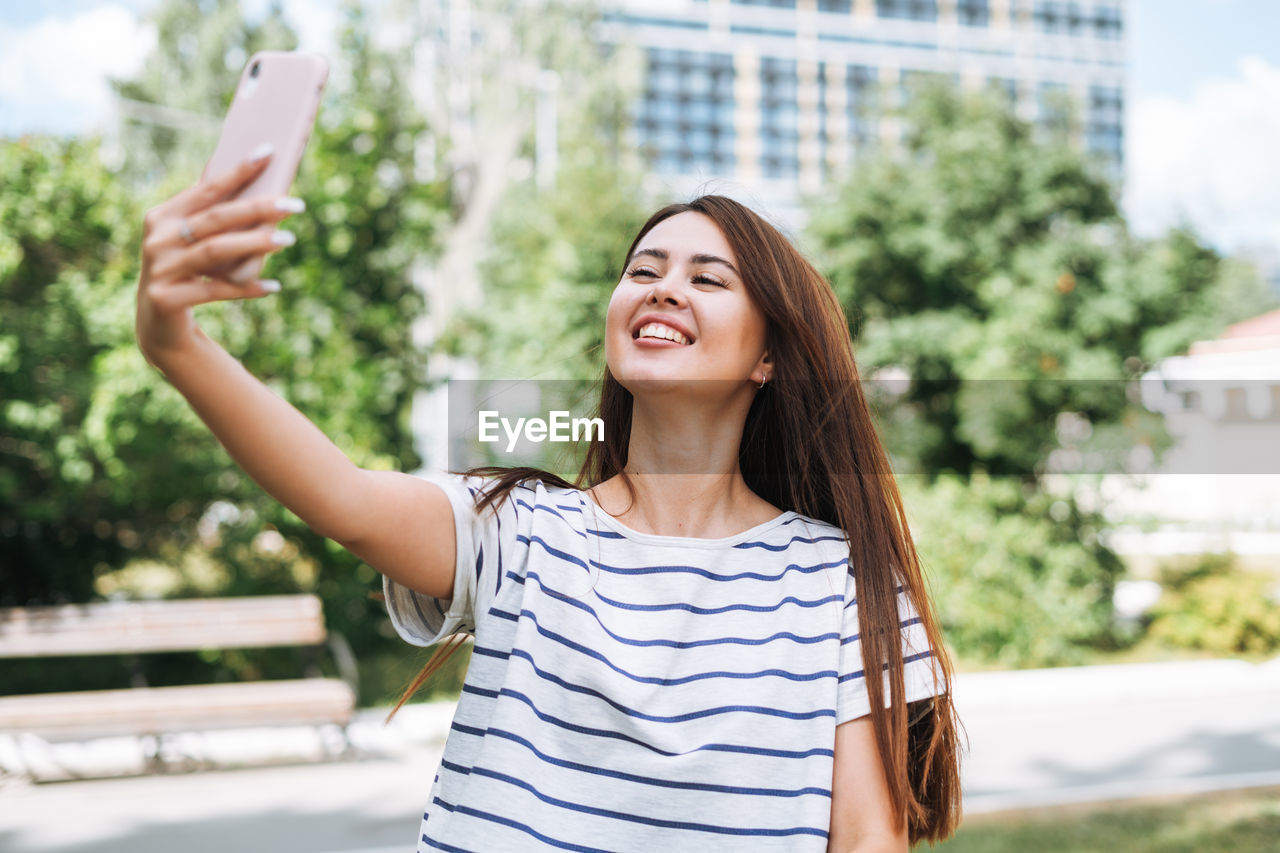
697 279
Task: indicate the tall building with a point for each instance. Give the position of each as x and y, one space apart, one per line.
778 95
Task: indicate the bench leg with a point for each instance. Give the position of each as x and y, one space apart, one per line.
13 766
335 740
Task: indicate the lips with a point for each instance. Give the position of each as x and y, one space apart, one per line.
664 320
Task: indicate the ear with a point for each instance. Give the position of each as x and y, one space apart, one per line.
762 364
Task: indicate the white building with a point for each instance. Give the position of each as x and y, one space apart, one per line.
778 95
1218 487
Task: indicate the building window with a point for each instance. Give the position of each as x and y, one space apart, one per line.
1105 130
911 10
839 7
779 131
862 87
973 13
685 118
1049 16
777 4
1108 24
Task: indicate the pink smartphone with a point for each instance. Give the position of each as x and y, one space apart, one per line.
275 102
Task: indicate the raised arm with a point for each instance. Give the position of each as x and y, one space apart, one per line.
399 524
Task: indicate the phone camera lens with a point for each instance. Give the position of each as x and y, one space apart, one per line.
253 70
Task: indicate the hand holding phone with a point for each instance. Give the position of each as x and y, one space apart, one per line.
275 105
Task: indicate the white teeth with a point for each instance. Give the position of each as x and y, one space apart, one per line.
658 330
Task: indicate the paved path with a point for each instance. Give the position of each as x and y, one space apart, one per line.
1037 737
1049 737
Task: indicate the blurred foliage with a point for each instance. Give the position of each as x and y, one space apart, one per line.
103 461
555 250
1019 577
68 237
1212 605
555 258
977 253
989 261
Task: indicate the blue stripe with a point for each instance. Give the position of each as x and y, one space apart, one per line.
497 584
784 546
468 730
701 611
583 606
506 821
480 691
479 563
862 672
653 570
555 552
545 508
652 679
906 624
711 611
709 747
649 780
792 676
674 644
642 819
649 570
490 653
678 718
605 534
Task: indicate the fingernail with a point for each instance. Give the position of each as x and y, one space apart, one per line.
261 152
291 205
283 238
270 285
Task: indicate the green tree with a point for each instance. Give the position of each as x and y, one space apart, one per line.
992 264
103 462
989 262
68 233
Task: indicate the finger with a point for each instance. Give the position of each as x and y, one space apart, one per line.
222 249
198 291
215 189
240 215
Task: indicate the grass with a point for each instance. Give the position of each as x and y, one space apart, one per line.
1229 822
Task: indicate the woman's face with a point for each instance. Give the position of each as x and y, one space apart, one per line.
682 282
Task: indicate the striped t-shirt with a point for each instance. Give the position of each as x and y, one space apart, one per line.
635 692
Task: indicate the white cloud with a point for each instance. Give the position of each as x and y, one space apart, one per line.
53 73
1210 159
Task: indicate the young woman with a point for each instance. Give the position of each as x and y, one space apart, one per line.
672 653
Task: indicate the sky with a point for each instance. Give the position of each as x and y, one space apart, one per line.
1202 124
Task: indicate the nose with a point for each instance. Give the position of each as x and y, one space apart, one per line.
665 290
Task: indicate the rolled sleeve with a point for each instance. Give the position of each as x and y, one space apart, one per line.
421 619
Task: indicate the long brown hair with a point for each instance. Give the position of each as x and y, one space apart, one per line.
809 445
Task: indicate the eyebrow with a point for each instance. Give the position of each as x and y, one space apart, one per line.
663 254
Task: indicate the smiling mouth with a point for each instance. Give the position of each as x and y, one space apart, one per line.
660 332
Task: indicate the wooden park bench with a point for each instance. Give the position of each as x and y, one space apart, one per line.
151 713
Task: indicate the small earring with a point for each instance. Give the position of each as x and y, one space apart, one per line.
762 381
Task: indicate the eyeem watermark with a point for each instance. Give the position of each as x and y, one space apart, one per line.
560 427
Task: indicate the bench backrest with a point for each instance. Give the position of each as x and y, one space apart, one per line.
161 626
